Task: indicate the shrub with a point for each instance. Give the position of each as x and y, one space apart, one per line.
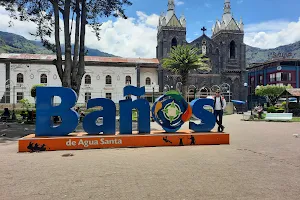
279 110
271 109
283 104
296 112
33 90
294 105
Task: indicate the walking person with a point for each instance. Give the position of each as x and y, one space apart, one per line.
219 107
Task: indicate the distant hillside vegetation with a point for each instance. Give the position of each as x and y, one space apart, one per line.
257 55
13 43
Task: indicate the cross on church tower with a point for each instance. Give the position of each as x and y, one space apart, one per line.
203 29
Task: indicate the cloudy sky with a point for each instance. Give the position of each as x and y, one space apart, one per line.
268 24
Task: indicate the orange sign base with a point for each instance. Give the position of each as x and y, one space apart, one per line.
78 141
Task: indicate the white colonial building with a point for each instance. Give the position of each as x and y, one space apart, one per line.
105 76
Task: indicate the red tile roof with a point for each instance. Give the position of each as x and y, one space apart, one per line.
294 92
87 58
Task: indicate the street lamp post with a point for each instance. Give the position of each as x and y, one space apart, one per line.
153 87
251 104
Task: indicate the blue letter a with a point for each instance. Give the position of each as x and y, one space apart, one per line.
45 110
108 114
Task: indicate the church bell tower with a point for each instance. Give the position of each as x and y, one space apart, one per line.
171 31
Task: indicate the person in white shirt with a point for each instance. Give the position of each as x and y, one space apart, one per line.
219 107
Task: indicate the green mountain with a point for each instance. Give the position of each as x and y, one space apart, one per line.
257 55
13 43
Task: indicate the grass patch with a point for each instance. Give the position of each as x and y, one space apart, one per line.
296 119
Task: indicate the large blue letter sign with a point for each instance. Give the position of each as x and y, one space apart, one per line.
45 110
126 106
208 120
108 113
170 111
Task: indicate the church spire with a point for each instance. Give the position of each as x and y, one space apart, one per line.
227 7
171 5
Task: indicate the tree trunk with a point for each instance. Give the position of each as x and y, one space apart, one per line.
81 67
184 79
68 55
76 46
58 62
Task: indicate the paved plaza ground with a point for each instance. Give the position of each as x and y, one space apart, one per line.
262 162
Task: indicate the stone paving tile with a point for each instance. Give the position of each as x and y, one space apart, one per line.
262 162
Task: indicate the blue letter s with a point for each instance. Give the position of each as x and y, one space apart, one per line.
208 120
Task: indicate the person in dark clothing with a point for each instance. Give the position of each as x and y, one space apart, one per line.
6 114
219 106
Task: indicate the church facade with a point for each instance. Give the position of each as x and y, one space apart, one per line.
225 49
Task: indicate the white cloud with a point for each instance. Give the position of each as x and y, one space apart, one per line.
240 1
125 38
272 34
178 2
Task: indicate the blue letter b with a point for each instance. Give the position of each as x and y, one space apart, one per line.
45 110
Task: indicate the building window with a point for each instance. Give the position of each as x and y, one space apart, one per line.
20 96
148 81
87 96
108 80
174 42
278 76
252 83
87 79
289 76
44 78
286 76
20 78
210 48
232 50
108 95
272 77
128 80
261 82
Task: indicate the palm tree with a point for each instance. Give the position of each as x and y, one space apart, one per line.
182 59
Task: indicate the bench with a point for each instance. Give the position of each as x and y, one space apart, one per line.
279 116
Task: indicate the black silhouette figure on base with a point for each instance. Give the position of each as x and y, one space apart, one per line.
192 138
181 142
166 140
35 147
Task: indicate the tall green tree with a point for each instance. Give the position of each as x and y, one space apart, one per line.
53 16
272 92
182 59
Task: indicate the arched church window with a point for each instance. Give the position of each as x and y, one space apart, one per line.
148 81
87 79
20 78
44 78
128 80
174 42
210 49
232 49
108 80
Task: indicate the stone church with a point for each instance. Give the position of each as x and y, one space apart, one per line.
225 49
